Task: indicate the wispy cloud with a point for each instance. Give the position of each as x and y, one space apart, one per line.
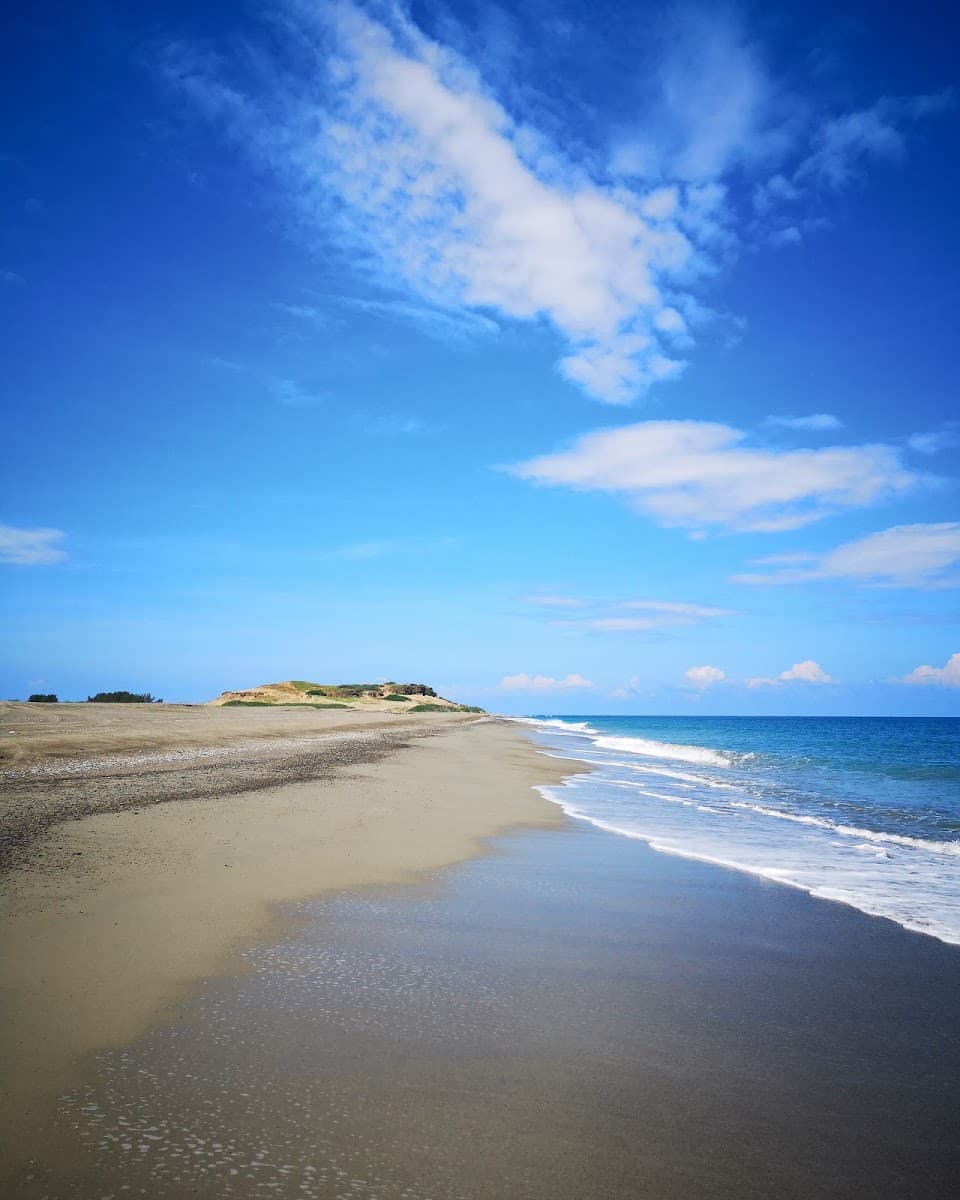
225 364
680 610
807 671
542 683
704 677
551 601
946 676
934 442
10 277
610 616
378 549
456 325
294 394
699 475
398 149
395 424
904 556
31 547
844 145
814 422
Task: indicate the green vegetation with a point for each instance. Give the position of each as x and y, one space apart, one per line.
394 696
443 708
342 691
270 704
354 691
123 698
42 698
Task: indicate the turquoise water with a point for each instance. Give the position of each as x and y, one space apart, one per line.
864 811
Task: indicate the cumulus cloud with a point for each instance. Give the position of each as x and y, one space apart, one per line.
31 547
814 422
704 677
946 676
807 671
542 683
399 149
906 555
699 474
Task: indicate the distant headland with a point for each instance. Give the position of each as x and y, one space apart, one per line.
383 697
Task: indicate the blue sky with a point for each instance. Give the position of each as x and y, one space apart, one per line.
572 359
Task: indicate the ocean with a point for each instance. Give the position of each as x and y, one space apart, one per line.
864 811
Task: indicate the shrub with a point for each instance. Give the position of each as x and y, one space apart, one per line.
394 696
42 698
429 708
270 704
123 698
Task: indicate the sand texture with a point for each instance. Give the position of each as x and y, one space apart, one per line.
120 898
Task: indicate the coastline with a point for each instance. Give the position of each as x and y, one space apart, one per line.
109 918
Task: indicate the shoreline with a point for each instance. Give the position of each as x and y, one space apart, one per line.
111 918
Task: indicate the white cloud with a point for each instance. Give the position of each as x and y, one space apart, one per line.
704 677
815 422
542 683
608 617
905 555
31 547
395 147
933 443
446 325
844 144
807 671
413 545
554 601
679 609
709 107
800 556
945 676
623 624
438 181
292 394
699 474
395 424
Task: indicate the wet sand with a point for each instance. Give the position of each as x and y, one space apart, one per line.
570 1016
142 873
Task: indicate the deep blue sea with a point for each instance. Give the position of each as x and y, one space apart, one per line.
860 810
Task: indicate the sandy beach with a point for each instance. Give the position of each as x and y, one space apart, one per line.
145 846
254 955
